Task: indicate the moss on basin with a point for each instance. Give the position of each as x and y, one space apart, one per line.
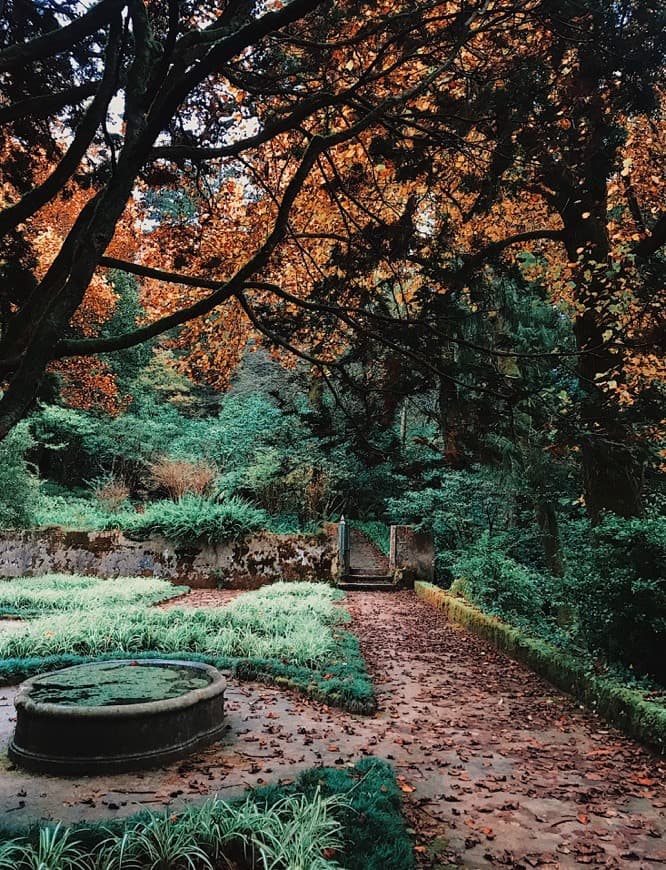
112 683
117 715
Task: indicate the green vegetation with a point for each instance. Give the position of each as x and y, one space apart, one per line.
596 591
18 487
35 596
195 519
621 705
619 589
502 493
287 633
327 818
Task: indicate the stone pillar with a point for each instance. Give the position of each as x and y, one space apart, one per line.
344 548
412 554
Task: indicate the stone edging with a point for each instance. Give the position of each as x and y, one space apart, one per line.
625 708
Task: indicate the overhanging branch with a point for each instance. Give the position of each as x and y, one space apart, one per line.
61 39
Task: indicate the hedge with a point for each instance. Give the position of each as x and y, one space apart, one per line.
619 705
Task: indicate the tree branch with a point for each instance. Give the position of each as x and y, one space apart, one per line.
160 274
471 262
178 153
61 39
223 291
39 196
48 104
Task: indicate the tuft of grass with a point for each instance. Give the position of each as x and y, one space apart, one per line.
328 818
35 596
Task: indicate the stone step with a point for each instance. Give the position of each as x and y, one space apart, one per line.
373 585
369 570
354 579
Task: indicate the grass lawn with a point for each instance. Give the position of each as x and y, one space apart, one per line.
287 633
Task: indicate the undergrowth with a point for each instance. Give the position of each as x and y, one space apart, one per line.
327 818
195 519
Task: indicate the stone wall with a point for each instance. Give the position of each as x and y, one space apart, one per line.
412 553
257 560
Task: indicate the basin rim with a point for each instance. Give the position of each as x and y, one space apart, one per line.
217 686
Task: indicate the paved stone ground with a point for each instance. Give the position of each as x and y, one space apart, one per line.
497 767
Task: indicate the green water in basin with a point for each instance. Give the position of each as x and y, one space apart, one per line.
104 685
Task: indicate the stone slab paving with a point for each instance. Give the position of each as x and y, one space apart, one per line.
496 766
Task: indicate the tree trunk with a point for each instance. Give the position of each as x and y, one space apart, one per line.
550 536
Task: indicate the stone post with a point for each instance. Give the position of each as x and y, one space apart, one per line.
412 554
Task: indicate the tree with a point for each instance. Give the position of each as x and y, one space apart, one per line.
194 82
364 163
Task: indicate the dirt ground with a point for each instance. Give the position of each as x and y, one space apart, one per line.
497 767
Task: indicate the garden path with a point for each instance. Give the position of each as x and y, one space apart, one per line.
497 767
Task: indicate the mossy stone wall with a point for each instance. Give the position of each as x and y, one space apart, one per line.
259 559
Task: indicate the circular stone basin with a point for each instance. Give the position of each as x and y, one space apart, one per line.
116 715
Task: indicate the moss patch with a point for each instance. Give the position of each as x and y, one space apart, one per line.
104 685
621 706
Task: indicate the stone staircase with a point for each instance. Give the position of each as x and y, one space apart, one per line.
368 566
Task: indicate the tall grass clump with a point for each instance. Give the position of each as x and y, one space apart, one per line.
298 832
194 519
328 818
50 593
297 628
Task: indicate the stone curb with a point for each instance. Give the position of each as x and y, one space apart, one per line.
619 705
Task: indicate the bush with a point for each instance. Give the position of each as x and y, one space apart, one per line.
18 487
497 583
180 476
619 587
111 493
197 520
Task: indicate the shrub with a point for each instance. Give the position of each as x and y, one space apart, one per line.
497 583
18 487
619 587
180 476
197 520
111 493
